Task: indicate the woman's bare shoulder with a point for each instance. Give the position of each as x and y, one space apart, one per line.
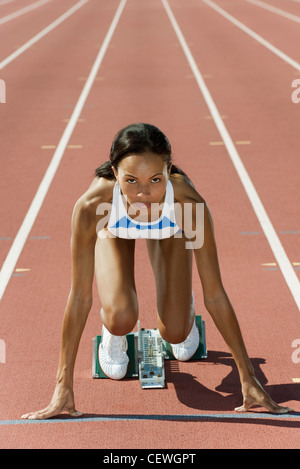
184 189
100 191
84 218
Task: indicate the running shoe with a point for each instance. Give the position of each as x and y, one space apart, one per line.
112 354
185 350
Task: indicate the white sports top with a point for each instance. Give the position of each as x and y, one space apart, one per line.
123 226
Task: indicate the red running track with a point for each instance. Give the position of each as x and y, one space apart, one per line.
144 75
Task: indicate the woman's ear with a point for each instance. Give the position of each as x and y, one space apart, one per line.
169 170
115 172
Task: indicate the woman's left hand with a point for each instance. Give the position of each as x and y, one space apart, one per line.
255 395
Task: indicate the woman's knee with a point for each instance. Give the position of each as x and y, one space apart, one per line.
175 331
119 320
173 336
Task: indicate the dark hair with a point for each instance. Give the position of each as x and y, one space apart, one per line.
137 139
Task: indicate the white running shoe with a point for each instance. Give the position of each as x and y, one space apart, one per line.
112 354
185 350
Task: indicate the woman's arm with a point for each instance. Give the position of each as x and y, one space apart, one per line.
223 315
77 309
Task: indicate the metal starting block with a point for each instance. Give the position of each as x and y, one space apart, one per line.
147 352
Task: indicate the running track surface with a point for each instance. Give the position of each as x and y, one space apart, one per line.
144 74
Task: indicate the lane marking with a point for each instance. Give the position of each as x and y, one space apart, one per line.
238 142
167 417
276 10
24 230
41 34
67 120
251 33
210 117
22 11
284 263
296 380
51 147
290 232
23 270
3 2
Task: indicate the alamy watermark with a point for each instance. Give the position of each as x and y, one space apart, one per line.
2 351
296 94
2 92
296 353
189 219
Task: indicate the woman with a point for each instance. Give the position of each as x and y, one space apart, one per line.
139 193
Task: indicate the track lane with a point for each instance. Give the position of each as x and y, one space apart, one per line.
278 31
290 6
17 32
138 93
23 11
8 7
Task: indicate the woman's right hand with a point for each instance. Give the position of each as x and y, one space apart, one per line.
62 400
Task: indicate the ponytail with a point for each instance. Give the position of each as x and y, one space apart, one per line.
176 170
105 171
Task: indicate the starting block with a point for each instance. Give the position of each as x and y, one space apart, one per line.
147 352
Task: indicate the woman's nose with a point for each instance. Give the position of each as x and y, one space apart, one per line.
143 191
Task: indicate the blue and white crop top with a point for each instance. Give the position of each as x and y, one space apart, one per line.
123 226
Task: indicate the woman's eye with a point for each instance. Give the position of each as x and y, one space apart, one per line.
131 181
155 180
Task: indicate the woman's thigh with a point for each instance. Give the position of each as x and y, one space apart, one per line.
114 271
172 267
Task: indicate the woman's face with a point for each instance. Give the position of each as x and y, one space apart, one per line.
143 180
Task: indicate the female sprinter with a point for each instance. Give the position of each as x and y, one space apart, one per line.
141 187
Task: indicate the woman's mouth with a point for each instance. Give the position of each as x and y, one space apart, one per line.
142 205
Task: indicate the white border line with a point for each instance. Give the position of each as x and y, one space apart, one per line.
159 417
274 242
20 239
278 11
22 11
253 34
41 34
4 2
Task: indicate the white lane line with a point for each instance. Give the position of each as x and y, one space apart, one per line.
3 2
253 34
274 242
276 10
20 239
22 11
41 34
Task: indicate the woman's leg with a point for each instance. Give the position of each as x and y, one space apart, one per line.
172 267
114 270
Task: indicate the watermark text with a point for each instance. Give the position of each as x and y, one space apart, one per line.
296 353
2 92
176 220
296 93
2 351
